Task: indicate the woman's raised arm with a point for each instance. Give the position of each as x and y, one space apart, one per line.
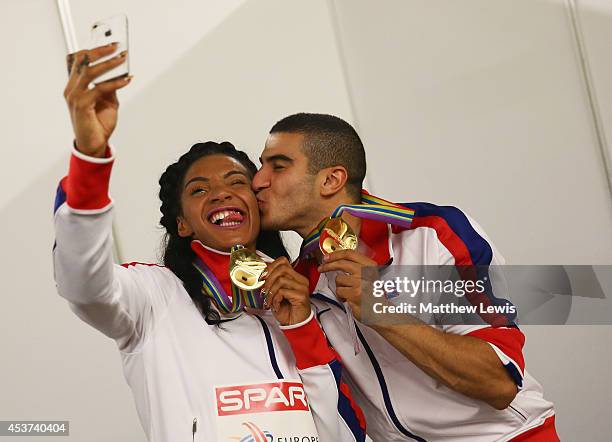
119 301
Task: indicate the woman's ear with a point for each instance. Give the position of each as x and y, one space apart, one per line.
183 227
333 180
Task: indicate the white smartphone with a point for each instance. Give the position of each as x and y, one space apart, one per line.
110 30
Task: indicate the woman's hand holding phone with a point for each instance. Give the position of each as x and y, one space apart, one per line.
93 111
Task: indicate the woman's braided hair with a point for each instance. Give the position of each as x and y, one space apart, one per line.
177 253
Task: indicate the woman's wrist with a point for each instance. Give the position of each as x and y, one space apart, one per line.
308 343
104 152
300 321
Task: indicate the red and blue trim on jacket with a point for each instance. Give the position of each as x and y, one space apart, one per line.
311 349
473 254
85 188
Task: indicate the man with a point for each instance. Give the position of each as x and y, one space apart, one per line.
414 382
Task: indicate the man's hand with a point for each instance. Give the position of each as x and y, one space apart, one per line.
286 293
349 264
93 112
465 364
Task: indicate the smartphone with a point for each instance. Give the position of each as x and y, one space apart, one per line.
111 30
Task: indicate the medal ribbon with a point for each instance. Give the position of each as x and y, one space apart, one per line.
227 303
371 207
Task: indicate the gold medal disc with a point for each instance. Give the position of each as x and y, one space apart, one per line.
246 268
337 235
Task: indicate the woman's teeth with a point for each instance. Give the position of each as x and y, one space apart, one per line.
227 218
222 224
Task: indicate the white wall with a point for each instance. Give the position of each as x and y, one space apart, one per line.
480 104
595 17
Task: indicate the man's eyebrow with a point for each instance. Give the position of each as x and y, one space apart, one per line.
278 157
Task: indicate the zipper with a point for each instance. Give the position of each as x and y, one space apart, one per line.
194 428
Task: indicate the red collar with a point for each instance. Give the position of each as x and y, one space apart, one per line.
374 235
308 268
218 262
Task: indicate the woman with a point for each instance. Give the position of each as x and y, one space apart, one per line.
200 369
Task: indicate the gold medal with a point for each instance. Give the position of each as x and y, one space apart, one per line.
246 268
336 234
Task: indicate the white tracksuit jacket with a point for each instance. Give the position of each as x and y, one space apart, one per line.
400 401
248 381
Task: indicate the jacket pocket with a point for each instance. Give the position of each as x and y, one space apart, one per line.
520 414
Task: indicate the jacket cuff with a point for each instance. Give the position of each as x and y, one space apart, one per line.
309 343
87 183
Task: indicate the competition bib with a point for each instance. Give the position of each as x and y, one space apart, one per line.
272 411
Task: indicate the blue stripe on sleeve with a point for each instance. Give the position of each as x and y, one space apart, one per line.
480 251
60 198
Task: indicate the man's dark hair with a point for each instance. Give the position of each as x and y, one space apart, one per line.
177 253
329 141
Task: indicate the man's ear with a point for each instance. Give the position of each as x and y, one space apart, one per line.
183 227
333 180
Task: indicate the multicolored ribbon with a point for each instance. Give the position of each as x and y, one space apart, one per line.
371 207
239 298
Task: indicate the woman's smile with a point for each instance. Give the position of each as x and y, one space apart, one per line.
227 217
